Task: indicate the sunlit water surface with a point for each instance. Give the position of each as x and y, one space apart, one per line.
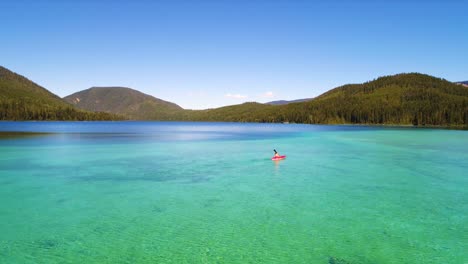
153 192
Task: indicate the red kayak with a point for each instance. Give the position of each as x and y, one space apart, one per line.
278 158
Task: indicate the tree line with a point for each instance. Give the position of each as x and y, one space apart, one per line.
23 111
404 99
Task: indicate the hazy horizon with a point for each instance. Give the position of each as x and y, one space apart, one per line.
210 53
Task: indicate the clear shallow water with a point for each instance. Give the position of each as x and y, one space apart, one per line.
143 192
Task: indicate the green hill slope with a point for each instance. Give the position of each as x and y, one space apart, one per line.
124 101
246 112
412 98
22 99
403 99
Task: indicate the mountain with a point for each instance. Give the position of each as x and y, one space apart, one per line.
465 83
22 99
402 99
283 102
410 98
124 101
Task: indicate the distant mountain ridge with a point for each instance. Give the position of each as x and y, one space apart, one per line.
283 102
22 99
464 83
124 101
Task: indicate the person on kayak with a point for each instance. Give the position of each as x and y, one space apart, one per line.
276 153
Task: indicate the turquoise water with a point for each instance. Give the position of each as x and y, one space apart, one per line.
136 192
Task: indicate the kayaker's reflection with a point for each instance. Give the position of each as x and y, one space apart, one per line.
277 162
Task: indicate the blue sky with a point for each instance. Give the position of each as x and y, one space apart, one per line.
204 54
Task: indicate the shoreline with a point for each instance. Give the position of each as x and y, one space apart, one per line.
449 127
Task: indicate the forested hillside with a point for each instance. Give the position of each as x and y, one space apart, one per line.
22 99
246 112
403 99
414 98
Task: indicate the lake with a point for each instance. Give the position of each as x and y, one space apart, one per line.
174 192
